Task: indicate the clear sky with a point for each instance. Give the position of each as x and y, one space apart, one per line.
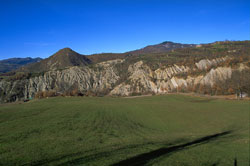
39 28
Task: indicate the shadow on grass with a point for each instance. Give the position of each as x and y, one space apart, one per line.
144 158
138 160
80 157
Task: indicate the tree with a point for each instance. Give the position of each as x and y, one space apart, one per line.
201 88
241 81
218 90
230 91
74 92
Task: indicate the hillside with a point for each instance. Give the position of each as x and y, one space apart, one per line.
67 57
64 58
97 58
11 64
163 47
219 68
160 48
103 131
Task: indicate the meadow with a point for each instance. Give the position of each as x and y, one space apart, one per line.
159 130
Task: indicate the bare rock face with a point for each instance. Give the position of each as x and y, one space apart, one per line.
101 77
206 63
218 74
143 80
169 72
105 77
12 91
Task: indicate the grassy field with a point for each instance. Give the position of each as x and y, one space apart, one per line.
164 130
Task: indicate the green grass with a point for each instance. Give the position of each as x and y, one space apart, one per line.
104 131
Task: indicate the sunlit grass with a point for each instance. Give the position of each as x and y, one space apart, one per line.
105 130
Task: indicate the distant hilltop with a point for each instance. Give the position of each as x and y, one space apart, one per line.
11 64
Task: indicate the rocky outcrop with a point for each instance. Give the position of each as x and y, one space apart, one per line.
169 72
218 74
105 77
143 80
98 78
206 63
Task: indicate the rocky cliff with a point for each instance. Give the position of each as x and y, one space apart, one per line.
144 80
105 77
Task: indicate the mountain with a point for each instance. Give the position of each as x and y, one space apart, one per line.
163 47
64 58
11 64
160 48
219 68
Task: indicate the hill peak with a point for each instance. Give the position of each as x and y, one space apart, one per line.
167 42
63 58
65 51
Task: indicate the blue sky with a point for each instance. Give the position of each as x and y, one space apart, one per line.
39 28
